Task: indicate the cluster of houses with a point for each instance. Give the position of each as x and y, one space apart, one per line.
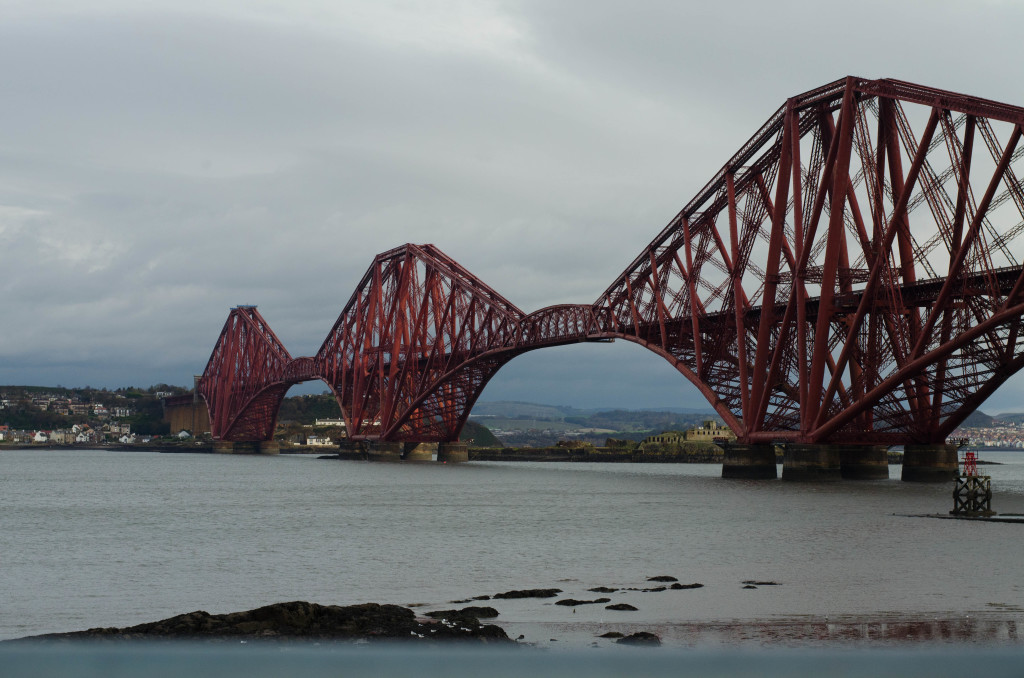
1004 436
321 439
79 434
104 428
69 407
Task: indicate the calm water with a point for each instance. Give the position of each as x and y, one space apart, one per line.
100 538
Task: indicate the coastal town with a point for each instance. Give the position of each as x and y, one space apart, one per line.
59 416
32 415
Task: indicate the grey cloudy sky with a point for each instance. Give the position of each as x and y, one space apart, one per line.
163 161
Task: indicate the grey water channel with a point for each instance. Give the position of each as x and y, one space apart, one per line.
99 538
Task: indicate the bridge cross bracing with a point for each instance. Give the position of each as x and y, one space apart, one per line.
851 275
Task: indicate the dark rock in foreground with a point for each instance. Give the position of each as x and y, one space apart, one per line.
640 638
754 582
298 621
529 593
679 587
611 634
571 602
625 607
603 589
473 611
663 577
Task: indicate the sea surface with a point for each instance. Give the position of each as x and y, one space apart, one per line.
100 538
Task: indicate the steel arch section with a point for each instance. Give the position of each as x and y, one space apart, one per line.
415 315
243 381
791 285
440 410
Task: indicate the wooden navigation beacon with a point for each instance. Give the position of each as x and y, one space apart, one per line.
972 495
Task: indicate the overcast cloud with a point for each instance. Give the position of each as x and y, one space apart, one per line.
161 162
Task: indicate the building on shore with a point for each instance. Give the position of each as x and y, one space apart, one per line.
709 432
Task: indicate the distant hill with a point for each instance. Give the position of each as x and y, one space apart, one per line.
979 419
478 435
539 425
512 409
1011 417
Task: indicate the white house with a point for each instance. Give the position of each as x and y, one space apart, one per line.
318 441
40 437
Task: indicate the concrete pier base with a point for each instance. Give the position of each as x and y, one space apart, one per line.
749 462
452 452
379 450
223 447
930 463
268 447
419 451
804 462
864 462
246 447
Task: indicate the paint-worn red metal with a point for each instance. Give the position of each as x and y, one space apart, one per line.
849 276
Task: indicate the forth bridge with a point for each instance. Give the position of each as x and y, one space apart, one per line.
846 282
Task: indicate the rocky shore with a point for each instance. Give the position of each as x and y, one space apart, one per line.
299 621
636 622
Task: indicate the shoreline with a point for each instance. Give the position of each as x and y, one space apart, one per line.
501 454
659 610
411 625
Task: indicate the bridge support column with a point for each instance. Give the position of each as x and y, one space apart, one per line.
930 463
864 462
452 452
223 447
246 447
380 450
811 462
749 462
419 451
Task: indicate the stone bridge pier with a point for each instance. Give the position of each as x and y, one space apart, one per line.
826 462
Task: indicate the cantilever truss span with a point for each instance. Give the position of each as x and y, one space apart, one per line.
851 275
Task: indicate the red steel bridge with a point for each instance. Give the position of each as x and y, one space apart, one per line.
847 278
